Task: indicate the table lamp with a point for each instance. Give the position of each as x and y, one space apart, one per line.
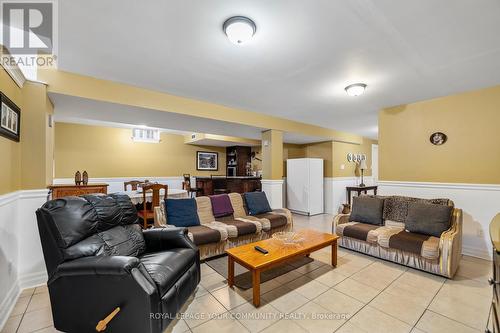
362 167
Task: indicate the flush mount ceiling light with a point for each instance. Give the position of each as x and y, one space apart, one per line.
355 89
239 29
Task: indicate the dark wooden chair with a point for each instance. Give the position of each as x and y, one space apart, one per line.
147 213
186 185
219 184
134 184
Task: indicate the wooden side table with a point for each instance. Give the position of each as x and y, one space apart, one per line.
65 190
359 190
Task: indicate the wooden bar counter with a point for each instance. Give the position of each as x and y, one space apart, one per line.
232 184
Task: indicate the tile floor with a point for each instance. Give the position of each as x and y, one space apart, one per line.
363 294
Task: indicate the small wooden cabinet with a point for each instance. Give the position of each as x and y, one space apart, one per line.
66 190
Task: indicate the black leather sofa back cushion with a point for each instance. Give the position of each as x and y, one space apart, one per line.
367 209
428 219
95 225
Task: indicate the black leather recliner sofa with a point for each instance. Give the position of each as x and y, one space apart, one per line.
98 258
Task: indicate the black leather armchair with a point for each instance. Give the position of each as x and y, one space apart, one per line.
98 258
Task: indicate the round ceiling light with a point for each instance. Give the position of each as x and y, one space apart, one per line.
239 29
355 89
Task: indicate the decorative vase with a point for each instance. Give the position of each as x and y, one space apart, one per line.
78 178
85 178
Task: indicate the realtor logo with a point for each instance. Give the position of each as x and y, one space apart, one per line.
28 27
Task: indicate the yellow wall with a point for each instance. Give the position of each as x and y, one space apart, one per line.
110 152
341 149
272 155
471 154
10 151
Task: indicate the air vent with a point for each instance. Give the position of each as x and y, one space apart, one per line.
146 135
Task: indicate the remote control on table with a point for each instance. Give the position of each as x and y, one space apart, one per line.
258 248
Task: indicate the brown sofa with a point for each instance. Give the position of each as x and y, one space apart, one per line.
215 235
390 241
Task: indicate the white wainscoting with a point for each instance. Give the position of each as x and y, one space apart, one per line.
274 192
335 193
21 259
480 203
116 183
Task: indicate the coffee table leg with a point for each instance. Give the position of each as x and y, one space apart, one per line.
230 273
256 287
334 254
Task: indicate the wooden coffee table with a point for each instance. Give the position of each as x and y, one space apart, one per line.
256 262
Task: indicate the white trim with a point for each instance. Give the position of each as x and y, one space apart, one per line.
32 280
274 192
272 181
8 304
8 198
14 71
59 181
475 252
460 186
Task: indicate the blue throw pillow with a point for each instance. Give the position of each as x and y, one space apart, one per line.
182 212
257 203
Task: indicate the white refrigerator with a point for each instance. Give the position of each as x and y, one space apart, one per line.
304 185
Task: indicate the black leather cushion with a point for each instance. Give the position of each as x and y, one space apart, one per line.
276 220
367 210
165 268
428 219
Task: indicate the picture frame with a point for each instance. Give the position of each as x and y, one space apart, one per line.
10 119
207 161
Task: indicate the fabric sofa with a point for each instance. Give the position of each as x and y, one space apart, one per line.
392 241
216 234
98 258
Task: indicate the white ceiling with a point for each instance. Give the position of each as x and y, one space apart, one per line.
303 54
71 109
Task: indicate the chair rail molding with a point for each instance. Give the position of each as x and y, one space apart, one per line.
479 203
274 192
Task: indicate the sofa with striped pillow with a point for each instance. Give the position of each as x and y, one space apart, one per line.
425 234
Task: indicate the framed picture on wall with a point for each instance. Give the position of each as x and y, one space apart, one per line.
207 161
10 119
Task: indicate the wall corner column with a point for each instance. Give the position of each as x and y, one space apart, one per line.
272 167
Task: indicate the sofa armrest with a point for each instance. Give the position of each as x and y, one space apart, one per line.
286 212
450 245
98 265
161 239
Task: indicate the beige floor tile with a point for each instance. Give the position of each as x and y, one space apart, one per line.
213 282
307 287
228 297
375 321
307 268
41 289
451 307
21 305
350 328
36 320
27 292
324 257
206 270
284 326
284 299
435 323
50 329
373 277
200 291
401 306
326 275
39 301
220 325
420 296
475 269
12 324
358 290
287 277
268 286
339 303
177 326
348 266
256 319
315 318
467 286
200 310
422 280
416 330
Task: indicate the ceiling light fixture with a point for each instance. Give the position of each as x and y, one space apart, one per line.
239 29
355 89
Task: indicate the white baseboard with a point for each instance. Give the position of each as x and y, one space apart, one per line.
8 303
33 280
479 203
